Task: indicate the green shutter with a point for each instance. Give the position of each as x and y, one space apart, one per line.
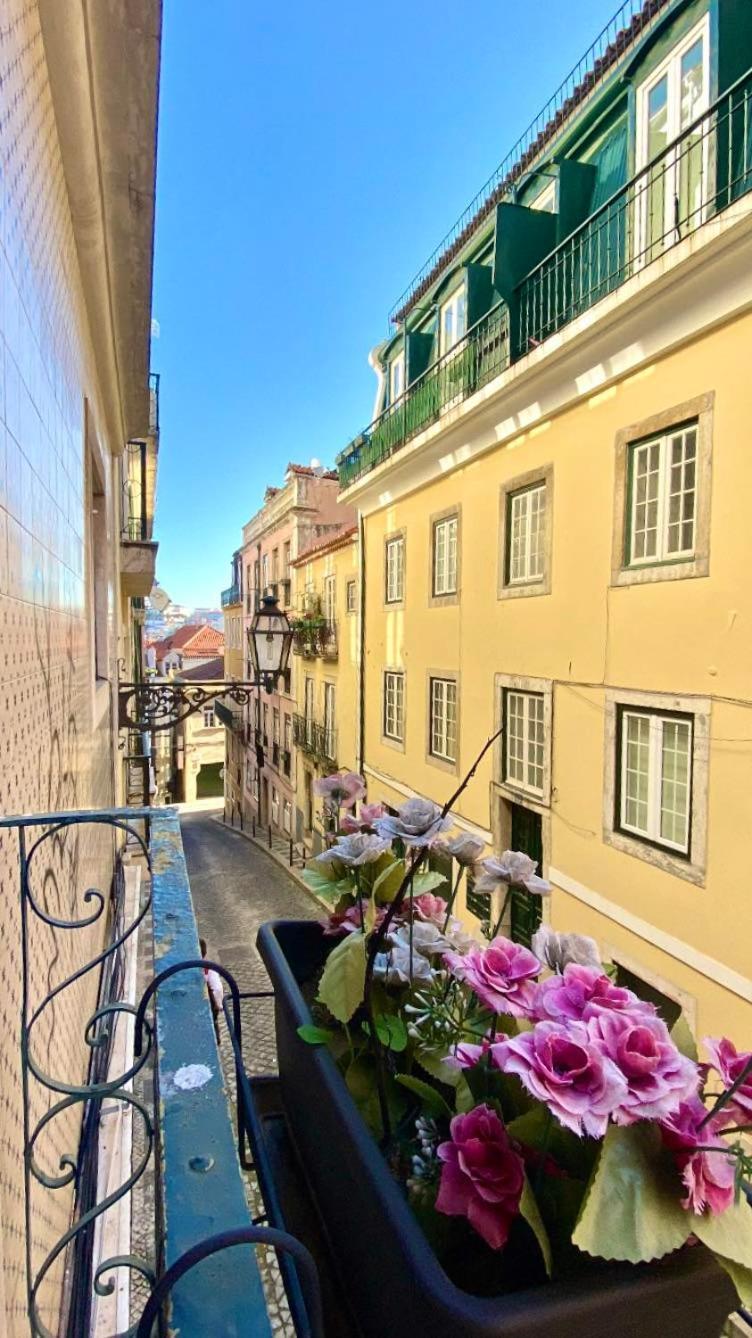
419 354
479 292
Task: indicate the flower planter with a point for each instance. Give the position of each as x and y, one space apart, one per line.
394 1281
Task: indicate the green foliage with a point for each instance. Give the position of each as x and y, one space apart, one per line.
489 1084
388 882
427 880
315 1035
343 978
541 1132
325 881
361 1082
683 1039
729 1236
531 1212
631 1209
431 1100
433 1063
390 1030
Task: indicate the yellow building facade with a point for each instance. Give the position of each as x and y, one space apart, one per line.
326 595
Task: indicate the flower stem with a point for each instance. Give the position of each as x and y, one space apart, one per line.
452 899
500 920
726 1096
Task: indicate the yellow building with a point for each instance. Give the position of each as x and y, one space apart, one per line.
326 593
554 498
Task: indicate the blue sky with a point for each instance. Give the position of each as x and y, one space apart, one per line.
310 158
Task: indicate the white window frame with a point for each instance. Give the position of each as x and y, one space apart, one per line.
394 705
445 541
287 816
308 708
330 599
394 562
396 377
664 441
275 805
546 201
531 711
455 305
439 743
210 718
330 719
656 725
522 501
351 590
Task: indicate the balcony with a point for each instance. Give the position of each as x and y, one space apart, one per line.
230 596
315 637
230 716
704 170
317 740
138 551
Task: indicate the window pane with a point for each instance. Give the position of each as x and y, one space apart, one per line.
527 516
682 449
675 771
636 771
645 487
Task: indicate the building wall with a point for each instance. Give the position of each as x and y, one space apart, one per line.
588 637
57 692
200 745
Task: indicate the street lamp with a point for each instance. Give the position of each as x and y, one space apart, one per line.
269 641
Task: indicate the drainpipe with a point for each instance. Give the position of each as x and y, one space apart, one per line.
362 647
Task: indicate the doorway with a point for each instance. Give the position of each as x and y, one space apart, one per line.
526 909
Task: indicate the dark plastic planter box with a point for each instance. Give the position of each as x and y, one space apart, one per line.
393 1280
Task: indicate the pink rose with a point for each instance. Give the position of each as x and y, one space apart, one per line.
708 1176
581 992
730 1063
466 1055
501 975
563 1066
349 921
364 821
482 1177
430 908
658 1076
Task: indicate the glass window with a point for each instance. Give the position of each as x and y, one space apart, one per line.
394 705
445 557
546 201
329 720
352 596
452 320
395 570
443 736
287 816
662 493
526 534
396 378
209 720
330 598
656 770
524 740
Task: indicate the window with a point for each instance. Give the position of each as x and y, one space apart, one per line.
655 775
288 733
662 494
265 572
546 201
275 806
396 377
287 816
443 726
209 720
394 705
452 320
286 561
99 560
275 565
352 596
249 775
308 710
395 570
524 740
526 533
275 725
330 598
445 556
287 682
265 717
330 746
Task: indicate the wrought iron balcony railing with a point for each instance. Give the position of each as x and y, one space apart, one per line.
705 169
476 359
230 596
317 740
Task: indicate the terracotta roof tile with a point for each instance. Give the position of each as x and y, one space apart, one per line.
193 639
329 541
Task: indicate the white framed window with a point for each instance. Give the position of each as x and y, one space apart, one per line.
394 705
287 816
443 724
275 725
655 777
526 534
352 596
672 195
396 377
265 573
524 740
209 719
662 497
445 556
275 806
330 598
395 569
452 320
288 733
546 201
330 744
308 709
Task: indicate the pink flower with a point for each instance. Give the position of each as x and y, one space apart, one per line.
581 992
466 1055
344 788
658 1076
349 921
708 1176
430 908
501 975
482 1177
563 1066
364 821
730 1063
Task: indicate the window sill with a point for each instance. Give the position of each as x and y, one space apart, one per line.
397 744
666 860
525 589
533 799
443 764
443 601
661 571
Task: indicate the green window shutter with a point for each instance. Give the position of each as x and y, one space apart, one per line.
419 354
479 292
610 163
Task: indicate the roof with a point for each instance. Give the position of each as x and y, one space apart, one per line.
193 639
326 545
310 472
616 38
212 669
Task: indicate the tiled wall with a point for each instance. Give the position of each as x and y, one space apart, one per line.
55 728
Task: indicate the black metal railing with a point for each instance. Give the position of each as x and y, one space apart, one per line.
314 738
231 595
478 357
706 168
136 522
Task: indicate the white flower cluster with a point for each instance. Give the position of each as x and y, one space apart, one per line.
425 1163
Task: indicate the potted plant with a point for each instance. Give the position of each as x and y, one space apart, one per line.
499 1141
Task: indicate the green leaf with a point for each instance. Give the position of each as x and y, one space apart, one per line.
683 1039
361 1081
540 1131
343 979
427 880
390 1030
330 887
729 1236
631 1209
741 1278
369 914
531 1212
463 1097
429 1097
389 881
315 1035
432 1061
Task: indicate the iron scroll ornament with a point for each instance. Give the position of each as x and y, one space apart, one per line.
162 705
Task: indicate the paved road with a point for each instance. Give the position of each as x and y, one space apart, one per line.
236 886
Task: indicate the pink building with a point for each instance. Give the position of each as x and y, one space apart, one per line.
296 515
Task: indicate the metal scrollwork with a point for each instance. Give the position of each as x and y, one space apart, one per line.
161 704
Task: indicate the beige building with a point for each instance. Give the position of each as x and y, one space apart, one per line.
200 741
75 276
228 712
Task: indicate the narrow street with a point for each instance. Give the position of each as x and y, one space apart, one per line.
236 886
